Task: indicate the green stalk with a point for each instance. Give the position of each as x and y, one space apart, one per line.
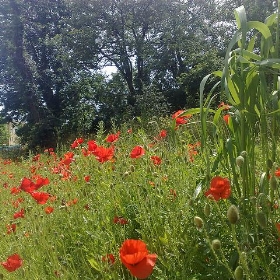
275 84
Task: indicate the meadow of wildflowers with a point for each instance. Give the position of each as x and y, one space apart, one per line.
193 196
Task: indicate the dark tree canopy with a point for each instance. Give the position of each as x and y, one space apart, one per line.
52 52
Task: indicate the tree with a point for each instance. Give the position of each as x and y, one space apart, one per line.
151 42
256 10
52 51
120 32
34 68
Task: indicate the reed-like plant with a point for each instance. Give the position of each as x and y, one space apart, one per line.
240 139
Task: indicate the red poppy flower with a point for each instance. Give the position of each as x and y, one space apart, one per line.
180 120
109 258
219 188
87 178
120 220
41 182
226 118
28 186
136 258
172 193
103 154
19 214
77 142
68 158
225 106
137 152
192 150
15 190
163 133
92 145
11 228
36 158
40 197
156 160
13 262
48 210
113 137
277 172
72 202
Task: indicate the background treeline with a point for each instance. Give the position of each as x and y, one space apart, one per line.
53 51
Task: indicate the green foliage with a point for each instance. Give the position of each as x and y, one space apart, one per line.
159 203
245 142
4 137
52 51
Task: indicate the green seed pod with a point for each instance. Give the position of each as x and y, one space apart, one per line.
243 154
216 244
261 219
198 222
132 168
207 210
240 160
233 214
190 202
238 273
273 183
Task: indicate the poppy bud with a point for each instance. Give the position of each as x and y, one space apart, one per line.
273 183
233 214
132 168
216 244
243 154
238 273
239 160
207 210
191 202
253 200
243 257
198 222
261 219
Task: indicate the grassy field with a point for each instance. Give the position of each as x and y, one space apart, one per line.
192 196
67 214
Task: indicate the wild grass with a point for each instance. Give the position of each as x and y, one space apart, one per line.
159 203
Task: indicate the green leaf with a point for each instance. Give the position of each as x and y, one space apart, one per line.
94 264
262 28
191 111
202 87
248 55
269 21
197 190
267 43
217 115
251 44
241 20
164 239
272 62
232 92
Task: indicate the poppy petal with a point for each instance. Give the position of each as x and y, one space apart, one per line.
144 268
